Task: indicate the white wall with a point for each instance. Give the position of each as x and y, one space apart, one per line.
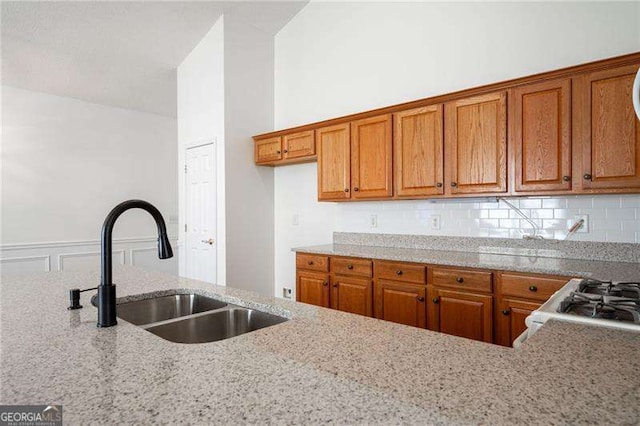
334 59
248 68
201 120
65 164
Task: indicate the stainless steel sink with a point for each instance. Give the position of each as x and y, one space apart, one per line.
163 308
213 326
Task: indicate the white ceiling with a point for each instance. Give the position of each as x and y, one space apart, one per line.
122 54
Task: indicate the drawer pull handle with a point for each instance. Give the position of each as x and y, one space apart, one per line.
505 312
435 300
533 288
460 280
335 285
420 299
325 283
310 262
349 266
398 272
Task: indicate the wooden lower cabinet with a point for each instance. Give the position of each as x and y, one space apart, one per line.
461 314
354 295
510 319
400 302
313 288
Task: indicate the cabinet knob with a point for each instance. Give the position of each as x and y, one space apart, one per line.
505 312
398 272
335 285
435 300
454 184
533 288
325 283
285 151
356 189
587 176
566 178
439 185
349 266
420 299
278 152
460 279
310 262
346 190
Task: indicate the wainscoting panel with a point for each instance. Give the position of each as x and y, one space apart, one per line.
84 256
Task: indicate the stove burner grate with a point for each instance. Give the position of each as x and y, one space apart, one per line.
602 306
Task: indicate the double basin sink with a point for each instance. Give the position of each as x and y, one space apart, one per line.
193 318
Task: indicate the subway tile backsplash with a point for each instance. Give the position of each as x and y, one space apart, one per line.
612 218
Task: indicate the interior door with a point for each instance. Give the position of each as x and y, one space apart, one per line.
200 227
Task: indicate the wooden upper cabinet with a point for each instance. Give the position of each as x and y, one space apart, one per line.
301 144
371 157
268 150
418 152
334 166
540 119
476 144
607 129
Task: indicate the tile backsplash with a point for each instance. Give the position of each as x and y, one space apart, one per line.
612 218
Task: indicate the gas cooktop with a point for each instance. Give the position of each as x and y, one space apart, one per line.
604 300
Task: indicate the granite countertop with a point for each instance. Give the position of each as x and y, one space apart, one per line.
604 270
322 366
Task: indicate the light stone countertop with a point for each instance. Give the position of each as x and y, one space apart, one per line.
603 270
322 366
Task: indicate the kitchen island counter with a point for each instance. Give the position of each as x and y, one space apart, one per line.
320 366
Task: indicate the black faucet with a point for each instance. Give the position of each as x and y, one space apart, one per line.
106 289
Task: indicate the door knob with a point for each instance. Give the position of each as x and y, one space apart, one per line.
209 241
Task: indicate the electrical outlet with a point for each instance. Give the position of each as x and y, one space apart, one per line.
585 226
286 293
434 222
295 219
373 221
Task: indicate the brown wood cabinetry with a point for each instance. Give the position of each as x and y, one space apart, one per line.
268 150
312 288
476 144
371 155
418 152
461 313
297 145
517 296
350 294
540 120
607 129
404 303
334 162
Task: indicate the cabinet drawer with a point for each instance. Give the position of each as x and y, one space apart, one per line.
530 287
358 267
312 262
400 272
462 279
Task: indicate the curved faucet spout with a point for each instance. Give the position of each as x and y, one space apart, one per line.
106 290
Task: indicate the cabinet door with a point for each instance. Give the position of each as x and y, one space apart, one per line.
510 317
461 314
476 144
312 288
334 167
418 152
302 144
371 166
353 295
607 129
540 120
268 150
401 303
